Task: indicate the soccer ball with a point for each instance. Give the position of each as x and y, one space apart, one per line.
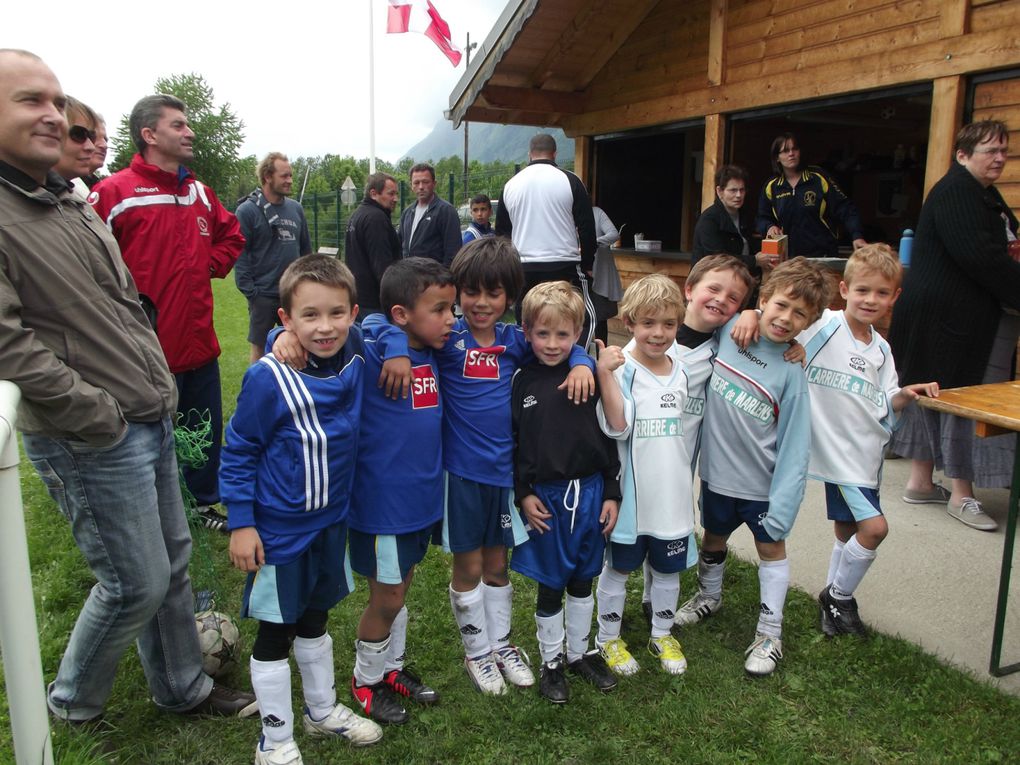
220 641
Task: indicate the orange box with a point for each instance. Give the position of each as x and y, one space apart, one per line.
775 246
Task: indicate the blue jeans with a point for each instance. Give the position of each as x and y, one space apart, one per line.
198 391
124 505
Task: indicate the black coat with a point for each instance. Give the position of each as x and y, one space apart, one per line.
959 280
715 234
370 247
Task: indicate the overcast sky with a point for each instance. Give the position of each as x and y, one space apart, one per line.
300 83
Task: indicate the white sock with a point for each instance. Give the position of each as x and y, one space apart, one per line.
612 592
271 682
773 582
710 577
854 564
646 588
665 594
579 612
837 553
314 658
469 613
498 609
398 641
550 635
370 661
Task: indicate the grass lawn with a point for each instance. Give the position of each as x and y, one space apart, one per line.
878 701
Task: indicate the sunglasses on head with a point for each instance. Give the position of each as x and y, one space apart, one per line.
79 134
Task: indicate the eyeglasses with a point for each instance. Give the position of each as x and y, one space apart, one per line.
80 134
999 151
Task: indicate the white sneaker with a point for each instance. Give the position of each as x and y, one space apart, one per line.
969 513
342 721
667 650
485 674
763 655
697 608
618 657
515 666
284 753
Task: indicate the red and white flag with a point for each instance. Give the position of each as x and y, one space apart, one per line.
422 17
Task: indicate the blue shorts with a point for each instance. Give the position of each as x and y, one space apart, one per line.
389 558
479 515
667 556
850 504
722 515
564 554
319 578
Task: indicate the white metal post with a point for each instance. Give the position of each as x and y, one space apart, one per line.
18 632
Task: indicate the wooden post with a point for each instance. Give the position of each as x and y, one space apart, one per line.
717 42
582 160
715 137
946 116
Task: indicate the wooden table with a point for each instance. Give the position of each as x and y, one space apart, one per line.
995 409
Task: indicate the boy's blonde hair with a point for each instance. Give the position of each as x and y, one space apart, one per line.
802 280
874 258
652 295
557 298
721 263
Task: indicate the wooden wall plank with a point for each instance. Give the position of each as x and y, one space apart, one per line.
717 41
989 95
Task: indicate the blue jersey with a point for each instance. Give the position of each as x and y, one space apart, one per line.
287 466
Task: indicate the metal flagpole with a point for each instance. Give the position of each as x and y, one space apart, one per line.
371 91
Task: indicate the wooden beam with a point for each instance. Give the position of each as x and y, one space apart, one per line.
953 18
946 116
625 24
512 117
532 99
717 42
582 160
715 137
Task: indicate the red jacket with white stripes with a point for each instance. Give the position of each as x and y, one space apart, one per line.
174 235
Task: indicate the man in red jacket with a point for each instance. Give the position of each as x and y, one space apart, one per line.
175 235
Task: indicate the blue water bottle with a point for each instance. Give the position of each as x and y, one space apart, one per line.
906 245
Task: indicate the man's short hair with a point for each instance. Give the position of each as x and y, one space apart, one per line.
652 295
147 113
803 280
542 143
268 165
404 282
321 269
423 167
489 263
876 258
481 199
75 109
978 132
721 263
777 146
728 173
559 299
377 182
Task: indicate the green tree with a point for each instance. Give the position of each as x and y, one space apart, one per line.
219 134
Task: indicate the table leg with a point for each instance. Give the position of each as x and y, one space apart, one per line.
1007 566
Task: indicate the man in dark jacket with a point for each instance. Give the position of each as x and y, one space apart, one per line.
430 228
371 243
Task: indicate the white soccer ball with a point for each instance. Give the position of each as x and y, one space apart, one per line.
220 641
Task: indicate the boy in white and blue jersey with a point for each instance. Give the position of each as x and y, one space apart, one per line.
756 442
854 399
644 404
285 477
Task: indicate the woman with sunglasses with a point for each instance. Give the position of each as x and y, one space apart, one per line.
80 146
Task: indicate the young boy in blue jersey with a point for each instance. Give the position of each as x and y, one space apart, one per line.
854 399
645 400
479 227
566 484
286 477
757 438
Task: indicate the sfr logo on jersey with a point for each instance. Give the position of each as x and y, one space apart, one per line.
424 389
483 363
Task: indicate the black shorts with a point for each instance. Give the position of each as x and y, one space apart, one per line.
262 317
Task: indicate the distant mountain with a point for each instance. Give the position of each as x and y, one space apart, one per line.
488 143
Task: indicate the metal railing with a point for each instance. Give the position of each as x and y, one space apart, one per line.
18 632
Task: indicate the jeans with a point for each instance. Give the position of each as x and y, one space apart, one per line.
124 505
198 391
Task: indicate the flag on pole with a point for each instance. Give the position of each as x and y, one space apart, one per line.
422 17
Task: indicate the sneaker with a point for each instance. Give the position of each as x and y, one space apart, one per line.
380 703
206 516
936 495
618 657
592 668
552 683
697 608
515 666
408 684
969 513
670 655
839 617
343 722
226 702
763 655
485 674
283 753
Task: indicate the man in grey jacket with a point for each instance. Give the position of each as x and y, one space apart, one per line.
97 400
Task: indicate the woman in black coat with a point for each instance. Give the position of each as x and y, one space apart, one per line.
957 323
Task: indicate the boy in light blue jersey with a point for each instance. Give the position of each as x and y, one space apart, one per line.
285 477
756 443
